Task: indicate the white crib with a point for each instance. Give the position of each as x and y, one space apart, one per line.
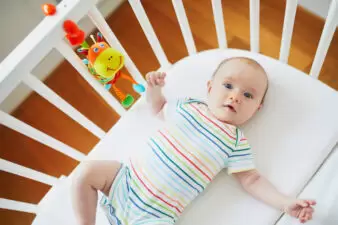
302 159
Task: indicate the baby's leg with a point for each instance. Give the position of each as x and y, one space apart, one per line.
93 176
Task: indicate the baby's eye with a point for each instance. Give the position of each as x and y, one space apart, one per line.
101 45
248 95
229 86
95 49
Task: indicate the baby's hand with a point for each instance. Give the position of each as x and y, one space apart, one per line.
154 96
155 79
301 209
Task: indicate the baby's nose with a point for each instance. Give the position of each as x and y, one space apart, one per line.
235 98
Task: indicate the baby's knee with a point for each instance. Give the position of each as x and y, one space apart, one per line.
96 174
84 174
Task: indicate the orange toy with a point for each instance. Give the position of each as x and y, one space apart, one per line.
104 62
48 9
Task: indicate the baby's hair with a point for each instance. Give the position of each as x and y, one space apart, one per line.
248 61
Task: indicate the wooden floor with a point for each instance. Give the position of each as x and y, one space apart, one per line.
68 84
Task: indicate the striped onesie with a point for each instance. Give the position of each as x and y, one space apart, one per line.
182 158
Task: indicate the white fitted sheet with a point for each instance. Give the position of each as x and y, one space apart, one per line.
290 136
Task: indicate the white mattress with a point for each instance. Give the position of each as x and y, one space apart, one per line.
290 136
324 188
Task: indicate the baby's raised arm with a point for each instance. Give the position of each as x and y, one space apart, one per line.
154 96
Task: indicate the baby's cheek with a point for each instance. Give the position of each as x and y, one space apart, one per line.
213 100
246 112
251 112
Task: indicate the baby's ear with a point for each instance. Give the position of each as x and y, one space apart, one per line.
209 84
260 106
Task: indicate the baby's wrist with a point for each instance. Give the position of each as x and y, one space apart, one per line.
154 96
285 209
154 92
286 204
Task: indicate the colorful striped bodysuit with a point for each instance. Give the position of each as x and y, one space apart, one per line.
182 158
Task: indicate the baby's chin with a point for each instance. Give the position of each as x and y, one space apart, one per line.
224 117
227 121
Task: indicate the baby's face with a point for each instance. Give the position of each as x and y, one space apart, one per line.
235 93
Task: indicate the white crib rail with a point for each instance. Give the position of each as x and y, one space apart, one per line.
289 20
325 39
56 100
149 32
29 131
19 170
219 23
184 25
254 25
38 44
17 67
18 206
22 171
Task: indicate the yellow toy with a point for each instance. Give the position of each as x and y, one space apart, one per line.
105 63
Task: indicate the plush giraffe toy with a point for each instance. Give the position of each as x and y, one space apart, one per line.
105 63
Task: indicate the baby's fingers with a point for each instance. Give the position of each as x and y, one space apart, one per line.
155 79
302 214
311 202
306 214
309 212
148 75
151 79
302 203
161 83
163 75
161 79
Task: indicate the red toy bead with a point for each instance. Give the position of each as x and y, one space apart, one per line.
76 38
70 27
73 33
48 9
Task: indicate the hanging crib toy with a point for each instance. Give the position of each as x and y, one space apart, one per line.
104 62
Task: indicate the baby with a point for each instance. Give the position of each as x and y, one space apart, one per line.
182 158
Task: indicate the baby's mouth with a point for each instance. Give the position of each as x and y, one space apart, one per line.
230 107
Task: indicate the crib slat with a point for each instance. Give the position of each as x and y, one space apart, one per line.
29 131
219 23
149 32
64 106
22 171
76 62
18 206
254 25
100 22
39 43
325 39
184 25
289 20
